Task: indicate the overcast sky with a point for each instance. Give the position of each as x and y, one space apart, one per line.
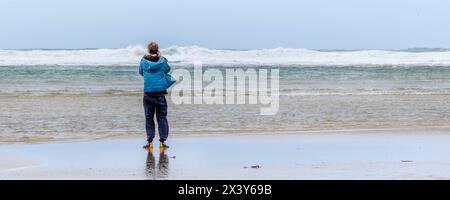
237 24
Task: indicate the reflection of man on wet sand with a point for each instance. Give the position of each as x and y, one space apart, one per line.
163 166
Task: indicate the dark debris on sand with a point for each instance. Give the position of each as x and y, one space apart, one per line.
253 167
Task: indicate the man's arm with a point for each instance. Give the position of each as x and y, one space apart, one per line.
167 69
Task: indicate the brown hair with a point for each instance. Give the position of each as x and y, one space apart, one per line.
153 48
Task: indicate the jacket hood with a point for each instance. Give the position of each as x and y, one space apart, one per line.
154 65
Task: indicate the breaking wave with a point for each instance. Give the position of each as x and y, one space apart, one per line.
179 55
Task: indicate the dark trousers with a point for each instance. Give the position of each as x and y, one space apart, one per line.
156 105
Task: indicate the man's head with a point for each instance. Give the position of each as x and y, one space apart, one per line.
153 48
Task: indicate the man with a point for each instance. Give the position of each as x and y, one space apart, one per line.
154 68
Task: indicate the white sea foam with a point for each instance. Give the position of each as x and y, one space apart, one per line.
187 55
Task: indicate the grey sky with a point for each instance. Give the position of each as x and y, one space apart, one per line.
238 24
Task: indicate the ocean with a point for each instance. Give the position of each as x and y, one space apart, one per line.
96 93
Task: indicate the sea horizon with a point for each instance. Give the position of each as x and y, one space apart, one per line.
406 49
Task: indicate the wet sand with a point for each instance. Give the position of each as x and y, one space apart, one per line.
317 155
10 161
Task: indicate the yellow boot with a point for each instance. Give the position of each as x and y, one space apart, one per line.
149 146
163 146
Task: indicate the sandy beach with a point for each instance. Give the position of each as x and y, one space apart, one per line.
362 154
